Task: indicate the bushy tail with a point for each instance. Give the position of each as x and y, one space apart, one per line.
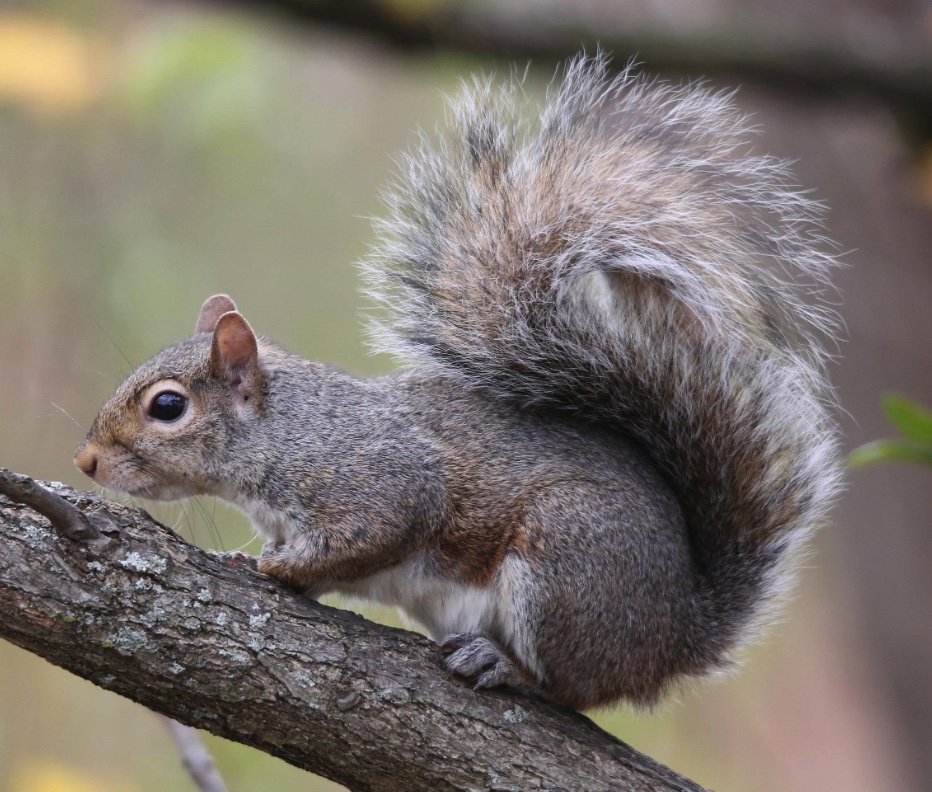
626 258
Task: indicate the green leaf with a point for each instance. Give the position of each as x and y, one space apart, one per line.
891 450
910 418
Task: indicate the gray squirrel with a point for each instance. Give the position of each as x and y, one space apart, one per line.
612 434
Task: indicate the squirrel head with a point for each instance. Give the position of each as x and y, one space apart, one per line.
165 434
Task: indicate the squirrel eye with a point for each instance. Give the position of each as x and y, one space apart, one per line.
167 406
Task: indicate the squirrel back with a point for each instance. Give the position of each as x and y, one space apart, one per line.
621 261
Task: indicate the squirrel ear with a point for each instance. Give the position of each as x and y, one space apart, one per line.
211 311
234 354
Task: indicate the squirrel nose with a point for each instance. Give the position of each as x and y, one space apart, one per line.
85 459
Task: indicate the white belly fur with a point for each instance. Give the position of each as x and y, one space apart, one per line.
446 607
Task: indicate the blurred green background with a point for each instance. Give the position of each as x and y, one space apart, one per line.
154 154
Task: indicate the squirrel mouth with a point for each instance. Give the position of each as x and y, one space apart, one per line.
157 490
123 475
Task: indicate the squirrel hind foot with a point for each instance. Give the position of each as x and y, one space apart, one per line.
479 658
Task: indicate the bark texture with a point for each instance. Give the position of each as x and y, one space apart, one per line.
139 611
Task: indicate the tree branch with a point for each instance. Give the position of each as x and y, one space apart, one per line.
67 520
860 51
141 612
195 757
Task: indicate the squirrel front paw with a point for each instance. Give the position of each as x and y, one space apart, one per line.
278 561
236 558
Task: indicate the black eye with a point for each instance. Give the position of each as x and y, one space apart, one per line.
167 406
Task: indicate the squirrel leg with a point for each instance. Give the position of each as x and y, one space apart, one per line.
478 657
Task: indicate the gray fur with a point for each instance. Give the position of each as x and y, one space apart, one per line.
611 439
